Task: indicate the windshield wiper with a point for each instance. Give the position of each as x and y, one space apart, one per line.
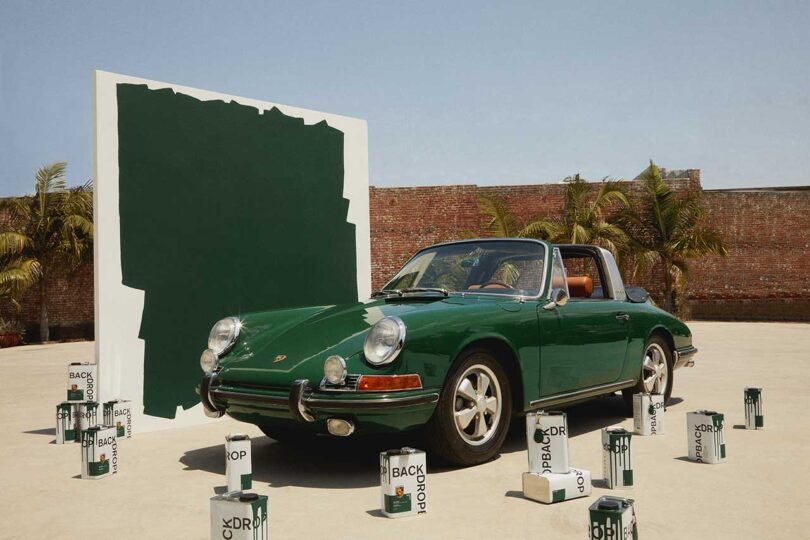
439 290
386 292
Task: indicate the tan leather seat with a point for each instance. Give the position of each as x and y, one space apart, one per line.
580 286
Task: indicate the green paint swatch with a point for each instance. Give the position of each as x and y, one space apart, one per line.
223 211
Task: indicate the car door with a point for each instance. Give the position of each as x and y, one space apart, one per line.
582 343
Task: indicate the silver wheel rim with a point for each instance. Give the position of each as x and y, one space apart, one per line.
477 405
654 370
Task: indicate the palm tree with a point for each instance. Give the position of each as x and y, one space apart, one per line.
49 230
665 230
584 219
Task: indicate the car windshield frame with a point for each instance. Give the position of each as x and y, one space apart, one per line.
389 288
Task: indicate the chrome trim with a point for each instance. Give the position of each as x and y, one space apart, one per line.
349 384
205 397
685 357
379 403
576 395
297 407
397 349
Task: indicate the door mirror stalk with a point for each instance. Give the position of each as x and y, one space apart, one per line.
559 297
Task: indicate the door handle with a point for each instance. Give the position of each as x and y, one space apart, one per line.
623 317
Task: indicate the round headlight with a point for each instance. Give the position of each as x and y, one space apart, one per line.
209 361
334 369
224 334
384 341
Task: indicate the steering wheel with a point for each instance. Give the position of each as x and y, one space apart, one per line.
499 284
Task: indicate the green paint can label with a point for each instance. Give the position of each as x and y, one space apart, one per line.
86 417
238 515
550 488
81 382
752 398
612 518
403 482
118 413
66 422
238 465
707 442
547 440
617 458
99 452
648 414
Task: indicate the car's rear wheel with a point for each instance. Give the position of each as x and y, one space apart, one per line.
657 369
473 413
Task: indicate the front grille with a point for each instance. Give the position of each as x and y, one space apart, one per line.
349 385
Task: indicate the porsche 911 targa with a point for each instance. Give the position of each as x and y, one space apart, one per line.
465 336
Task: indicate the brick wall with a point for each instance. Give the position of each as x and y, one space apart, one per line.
766 275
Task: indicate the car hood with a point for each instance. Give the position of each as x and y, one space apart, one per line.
277 347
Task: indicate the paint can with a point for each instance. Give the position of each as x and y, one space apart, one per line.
707 442
118 413
99 452
556 487
547 441
86 417
753 408
612 518
81 382
237 515
617 458
403 482
66 423
238 466
648 414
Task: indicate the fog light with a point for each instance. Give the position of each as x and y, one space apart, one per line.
209 361
339 428
334 370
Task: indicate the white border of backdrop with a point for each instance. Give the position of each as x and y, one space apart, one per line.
118 309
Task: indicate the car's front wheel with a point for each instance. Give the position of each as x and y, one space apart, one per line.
657 368
472 416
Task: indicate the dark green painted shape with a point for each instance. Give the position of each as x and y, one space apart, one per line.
395 505
558 495
759 421
246 481
627 477
223 210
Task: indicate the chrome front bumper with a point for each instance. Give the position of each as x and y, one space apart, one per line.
300 402
685 357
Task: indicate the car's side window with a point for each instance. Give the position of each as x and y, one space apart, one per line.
584 277
558 276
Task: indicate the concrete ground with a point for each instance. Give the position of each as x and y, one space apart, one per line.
331 489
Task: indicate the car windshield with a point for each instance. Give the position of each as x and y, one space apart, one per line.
505 267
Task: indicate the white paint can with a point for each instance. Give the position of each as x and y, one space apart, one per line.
547 441
752 398
81 382
617 458
66 423
99 452
648 414
118 413
707 443
237 515
238 465
556 487
612 518
403 482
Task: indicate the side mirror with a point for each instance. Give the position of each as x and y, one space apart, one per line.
558 298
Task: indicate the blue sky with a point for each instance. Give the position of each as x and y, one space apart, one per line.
467 92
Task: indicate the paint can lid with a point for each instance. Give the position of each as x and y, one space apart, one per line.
248 497
609 504
237 437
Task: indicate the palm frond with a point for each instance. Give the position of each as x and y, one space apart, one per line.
543 229
499 221
13 243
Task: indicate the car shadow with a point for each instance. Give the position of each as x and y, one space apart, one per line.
335 463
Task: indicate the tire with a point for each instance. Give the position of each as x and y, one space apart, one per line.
656 344
468 446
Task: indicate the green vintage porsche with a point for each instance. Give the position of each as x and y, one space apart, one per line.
465 336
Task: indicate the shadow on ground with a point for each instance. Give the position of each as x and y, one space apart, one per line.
329 462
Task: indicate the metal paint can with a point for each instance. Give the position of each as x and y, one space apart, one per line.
99 452
66 423
648 414
81 382
238 466
118 413
556 487
612 518
237 515
86 417
617 458
547 441
707 442
753 408
403 482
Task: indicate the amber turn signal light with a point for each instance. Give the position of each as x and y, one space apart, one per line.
381 383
